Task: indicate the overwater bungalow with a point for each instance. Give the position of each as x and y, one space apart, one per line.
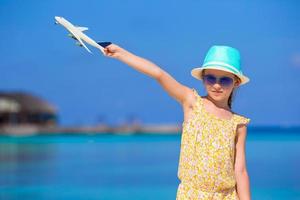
20 108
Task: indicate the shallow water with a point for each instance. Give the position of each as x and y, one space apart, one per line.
132 166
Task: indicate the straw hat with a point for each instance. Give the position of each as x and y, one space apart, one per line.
222 58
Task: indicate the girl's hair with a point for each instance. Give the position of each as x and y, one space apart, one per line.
230 99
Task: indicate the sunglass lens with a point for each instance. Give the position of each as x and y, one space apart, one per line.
226 81
210 79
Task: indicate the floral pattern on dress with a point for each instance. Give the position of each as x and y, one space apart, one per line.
207 150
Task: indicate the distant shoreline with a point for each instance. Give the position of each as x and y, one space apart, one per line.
100 129
167 129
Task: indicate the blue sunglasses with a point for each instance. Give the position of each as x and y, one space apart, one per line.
224 81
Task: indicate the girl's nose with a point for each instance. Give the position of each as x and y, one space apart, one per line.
217 86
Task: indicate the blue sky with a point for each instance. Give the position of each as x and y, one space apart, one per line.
37 57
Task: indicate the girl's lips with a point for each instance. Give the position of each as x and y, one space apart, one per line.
217 93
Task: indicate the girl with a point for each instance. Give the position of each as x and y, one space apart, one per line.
212 162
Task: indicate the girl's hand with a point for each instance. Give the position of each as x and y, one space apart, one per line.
113 51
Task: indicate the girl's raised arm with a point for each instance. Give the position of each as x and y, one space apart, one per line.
178 91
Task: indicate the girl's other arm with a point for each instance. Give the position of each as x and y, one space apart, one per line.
242 178
175 89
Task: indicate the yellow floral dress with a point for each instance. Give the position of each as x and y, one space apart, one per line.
206 161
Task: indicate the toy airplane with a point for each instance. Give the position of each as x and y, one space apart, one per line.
77 34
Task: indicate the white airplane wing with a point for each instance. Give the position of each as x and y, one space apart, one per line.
82 29
79 40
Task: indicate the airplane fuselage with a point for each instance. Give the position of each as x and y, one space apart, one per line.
76 33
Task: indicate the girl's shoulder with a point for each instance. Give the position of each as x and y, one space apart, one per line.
241 119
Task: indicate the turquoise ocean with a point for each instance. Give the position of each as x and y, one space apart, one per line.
141 167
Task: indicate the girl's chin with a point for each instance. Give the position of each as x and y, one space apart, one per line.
217 96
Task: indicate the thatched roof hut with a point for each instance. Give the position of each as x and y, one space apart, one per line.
24 108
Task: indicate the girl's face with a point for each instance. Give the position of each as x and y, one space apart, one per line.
217 91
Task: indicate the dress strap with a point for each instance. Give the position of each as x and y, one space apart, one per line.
198 97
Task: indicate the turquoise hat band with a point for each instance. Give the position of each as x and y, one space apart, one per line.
227 66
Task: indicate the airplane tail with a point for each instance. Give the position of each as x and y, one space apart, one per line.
104 44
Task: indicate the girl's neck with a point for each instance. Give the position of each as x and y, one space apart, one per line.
219 104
